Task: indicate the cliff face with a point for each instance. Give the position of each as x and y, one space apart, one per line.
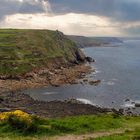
21 51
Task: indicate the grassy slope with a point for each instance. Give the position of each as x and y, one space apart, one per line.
74 125
23 50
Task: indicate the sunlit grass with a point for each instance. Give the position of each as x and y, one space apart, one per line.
16 125
32 48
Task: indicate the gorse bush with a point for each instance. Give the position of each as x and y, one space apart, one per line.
19 121
4 116
22 125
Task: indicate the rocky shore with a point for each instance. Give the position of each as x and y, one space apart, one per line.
17 100
51 76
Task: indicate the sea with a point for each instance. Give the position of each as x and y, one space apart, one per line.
118 68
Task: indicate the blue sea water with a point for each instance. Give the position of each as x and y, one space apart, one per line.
117 67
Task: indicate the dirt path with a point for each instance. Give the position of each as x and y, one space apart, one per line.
87 136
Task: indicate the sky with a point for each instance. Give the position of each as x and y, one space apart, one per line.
75 17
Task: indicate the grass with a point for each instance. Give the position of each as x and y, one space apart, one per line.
22 50
128 135
36 127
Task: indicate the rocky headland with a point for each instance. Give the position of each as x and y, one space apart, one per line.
38 58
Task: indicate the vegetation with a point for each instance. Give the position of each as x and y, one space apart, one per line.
19 124
128 135
23 50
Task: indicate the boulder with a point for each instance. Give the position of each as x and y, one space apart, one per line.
1 99
95 82
80 57
137 104
89 59
127 100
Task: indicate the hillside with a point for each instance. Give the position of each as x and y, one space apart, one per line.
21 51
83 41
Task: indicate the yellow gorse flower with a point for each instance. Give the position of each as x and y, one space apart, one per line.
18 113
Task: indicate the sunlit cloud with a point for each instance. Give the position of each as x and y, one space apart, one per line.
71 23
80 17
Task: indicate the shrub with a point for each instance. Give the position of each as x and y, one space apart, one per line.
19 121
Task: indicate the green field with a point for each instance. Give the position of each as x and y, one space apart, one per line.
23 50
31 127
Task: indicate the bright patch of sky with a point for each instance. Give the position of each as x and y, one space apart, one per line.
78 17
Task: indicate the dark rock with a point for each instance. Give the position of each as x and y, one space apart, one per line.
129 113
56 85
127 100
1 99
89 59
85 80
121 110
95 82
76 62
128 109
137 104
132 102
80 55
116 111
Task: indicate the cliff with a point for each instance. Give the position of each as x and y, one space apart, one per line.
22 51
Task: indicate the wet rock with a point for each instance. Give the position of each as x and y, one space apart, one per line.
74 82
89 59
132 102
137 104
129 113
80 55
121 110
128 109
94 82
81 83
127 100
1 99
85 80
116 111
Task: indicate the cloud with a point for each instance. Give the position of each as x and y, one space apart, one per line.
123 10
91 17
70 23
9 7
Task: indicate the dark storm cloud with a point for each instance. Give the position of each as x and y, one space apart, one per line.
8 7
119 12
123 10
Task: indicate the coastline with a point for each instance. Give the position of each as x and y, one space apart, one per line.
13 98
53 109
52 76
